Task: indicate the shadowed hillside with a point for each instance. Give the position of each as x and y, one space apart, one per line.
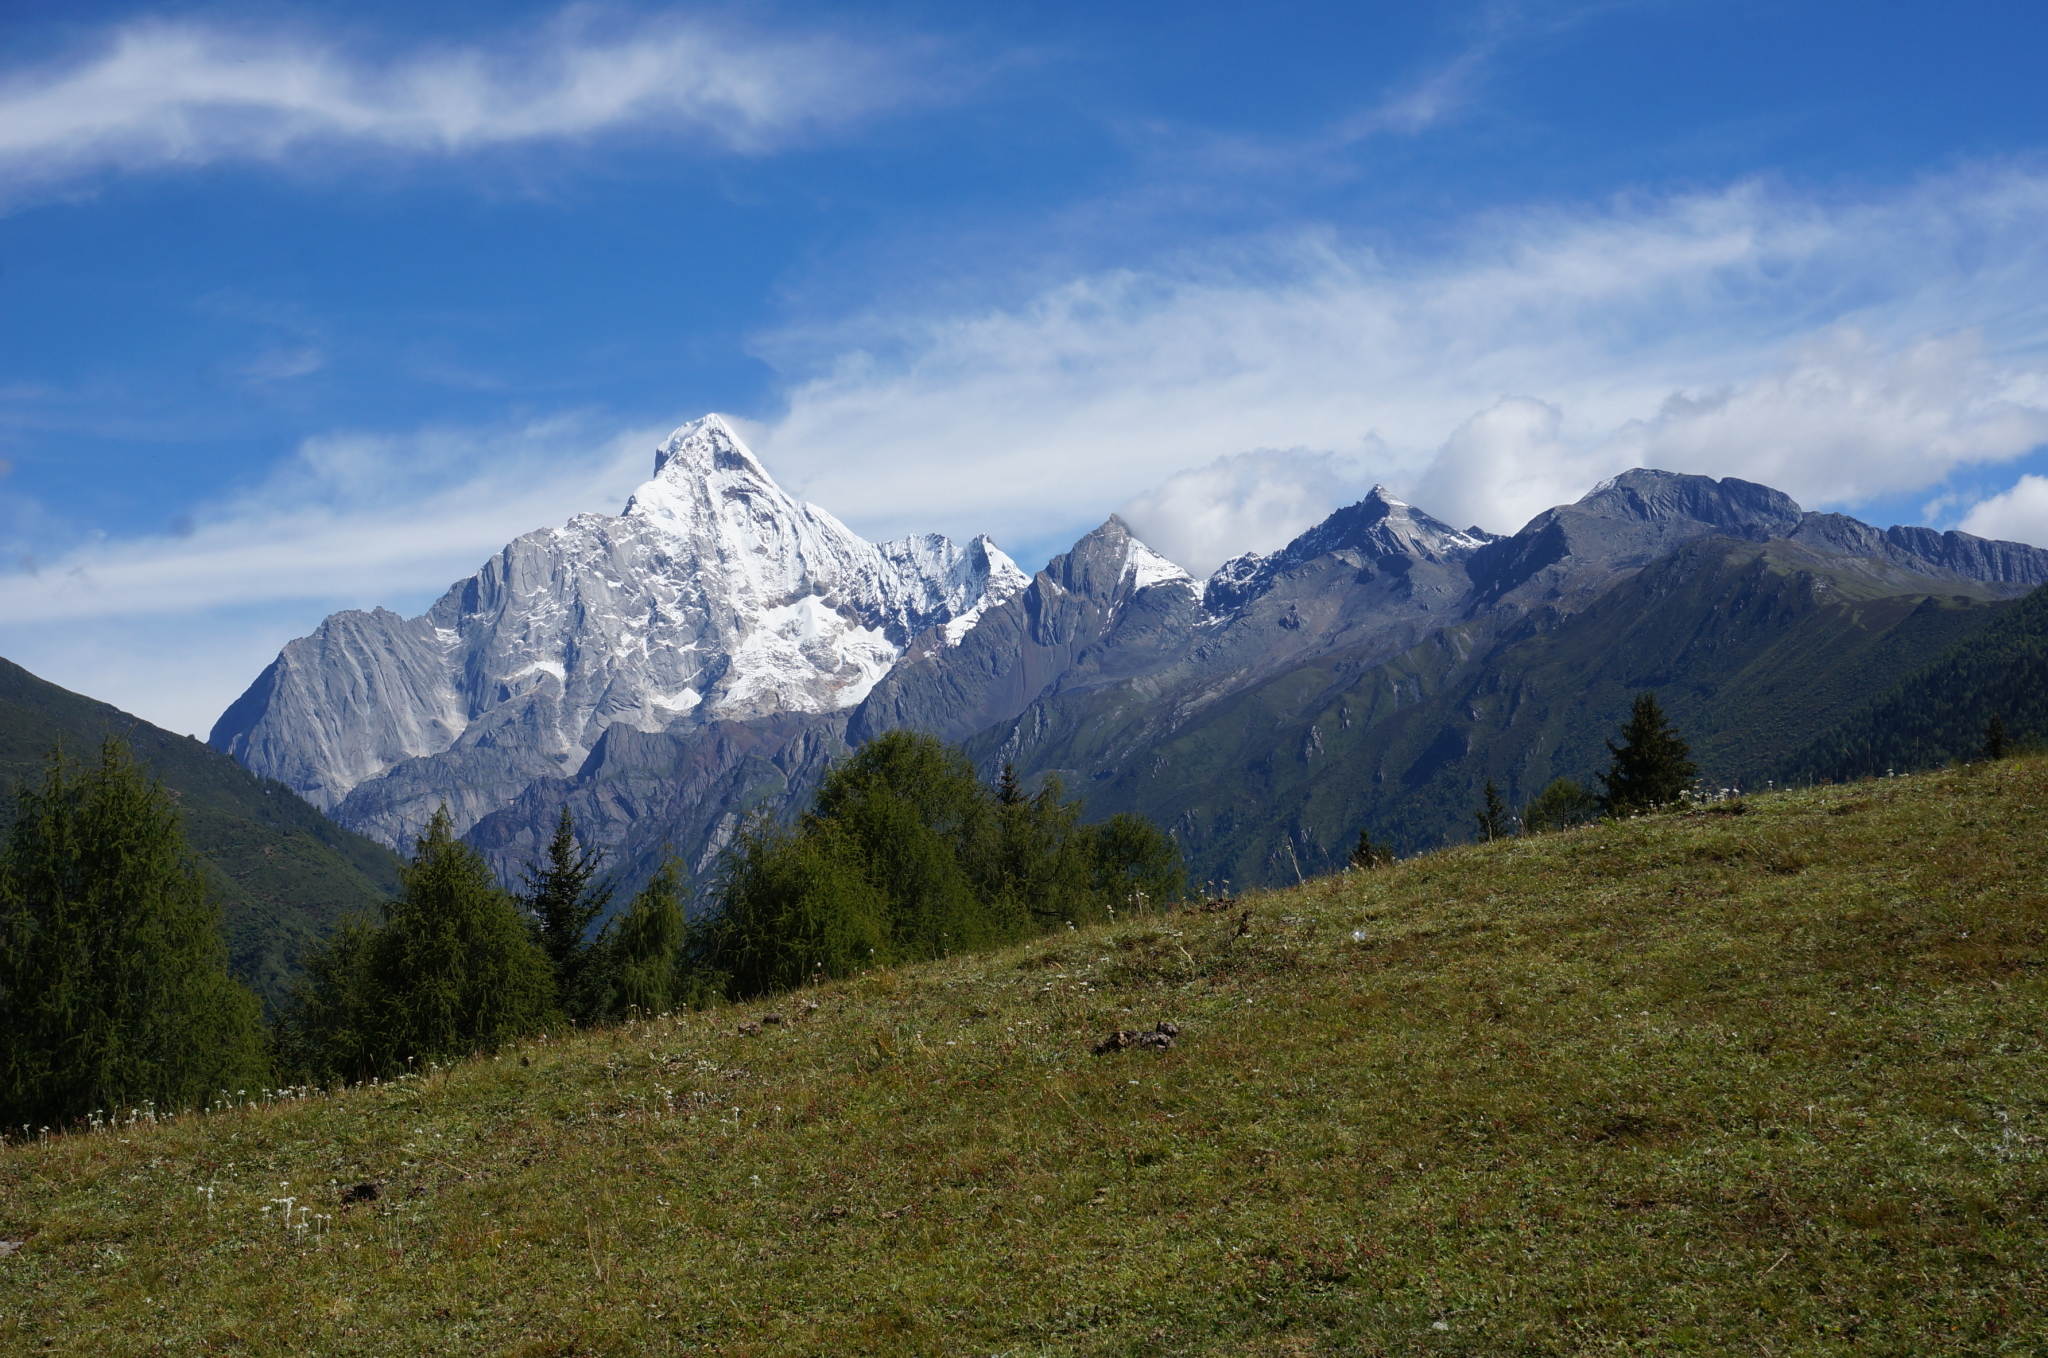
285 873
1940 712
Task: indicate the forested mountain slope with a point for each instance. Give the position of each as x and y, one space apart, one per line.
1750 645
285 872
1941 712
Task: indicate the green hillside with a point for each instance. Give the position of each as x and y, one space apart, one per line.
1940 712
1752 647
1762 1082
285 872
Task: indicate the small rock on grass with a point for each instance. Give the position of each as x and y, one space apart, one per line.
8 1247
364 1192
1159 1039
750 1030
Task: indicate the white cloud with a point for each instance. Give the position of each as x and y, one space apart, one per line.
351 519
1251 502
159 93
1839 350
173 627
1506 464
2018 515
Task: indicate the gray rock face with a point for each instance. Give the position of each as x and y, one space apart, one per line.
713 597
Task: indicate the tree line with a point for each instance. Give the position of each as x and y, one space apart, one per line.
115 994
1650 769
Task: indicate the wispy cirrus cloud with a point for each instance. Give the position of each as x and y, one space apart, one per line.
163 93
348 519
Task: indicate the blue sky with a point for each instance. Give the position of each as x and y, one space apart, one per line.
313 307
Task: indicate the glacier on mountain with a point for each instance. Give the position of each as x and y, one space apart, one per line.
713 596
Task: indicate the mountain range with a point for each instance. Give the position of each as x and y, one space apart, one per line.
665 671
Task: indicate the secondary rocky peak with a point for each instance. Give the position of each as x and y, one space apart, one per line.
1648 495
1378 527
1108 560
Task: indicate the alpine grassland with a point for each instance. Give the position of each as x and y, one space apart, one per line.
1765 1076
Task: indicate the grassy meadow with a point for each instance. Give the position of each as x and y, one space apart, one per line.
1766 1079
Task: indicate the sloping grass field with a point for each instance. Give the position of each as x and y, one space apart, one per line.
1763 1081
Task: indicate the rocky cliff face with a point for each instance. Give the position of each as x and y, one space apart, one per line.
713 597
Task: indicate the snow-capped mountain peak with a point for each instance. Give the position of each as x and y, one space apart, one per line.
714 595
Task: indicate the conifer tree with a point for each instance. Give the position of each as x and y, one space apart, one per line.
1039 861
1009 792
454 969
1563 803
114 990
1135 863
906 855
450 969
642 952
563 898
794 903
1366 855
1994 737
1492 814
1652 766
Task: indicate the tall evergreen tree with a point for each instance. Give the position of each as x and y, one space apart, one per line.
1492 814
454 968
916 817
1037 860
1994 737
906 855
642 953
1009 791
1135 863
563 898
795 903
1365 854
1652 766
451 969
114 990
